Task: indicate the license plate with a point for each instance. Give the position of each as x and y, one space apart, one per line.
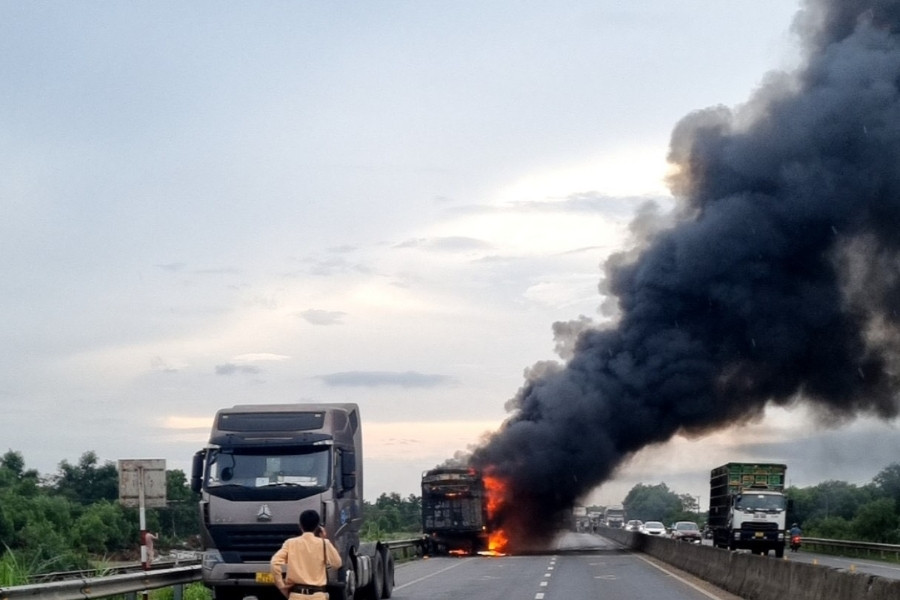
265 578
759 534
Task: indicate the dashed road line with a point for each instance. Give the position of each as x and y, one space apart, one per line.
430 575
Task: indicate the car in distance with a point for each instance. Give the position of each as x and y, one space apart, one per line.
653 528
633 525
686 531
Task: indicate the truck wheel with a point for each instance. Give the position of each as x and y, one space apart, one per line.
388 588
348 590
779 552
374 588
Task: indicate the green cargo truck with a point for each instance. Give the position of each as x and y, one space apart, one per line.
747 507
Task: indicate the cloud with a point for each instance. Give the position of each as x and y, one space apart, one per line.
406 379
622 207
175 266
231 369
456 243
158 363
332 265
218 271
259 357
323 317
242 364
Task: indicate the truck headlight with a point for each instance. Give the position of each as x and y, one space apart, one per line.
737 534
211 558
780 536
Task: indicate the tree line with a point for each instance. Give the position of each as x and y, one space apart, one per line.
831 509
845 511
67 520
72 519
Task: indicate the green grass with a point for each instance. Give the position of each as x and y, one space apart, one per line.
16 570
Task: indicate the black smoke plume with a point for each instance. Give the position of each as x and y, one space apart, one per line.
778 283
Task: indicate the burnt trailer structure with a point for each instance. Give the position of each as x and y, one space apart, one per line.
454 511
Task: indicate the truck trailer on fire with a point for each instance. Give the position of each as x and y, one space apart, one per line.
263 466
747 507
454 511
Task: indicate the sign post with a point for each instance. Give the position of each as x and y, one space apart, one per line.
142 483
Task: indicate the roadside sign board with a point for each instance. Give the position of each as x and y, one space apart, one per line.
147 473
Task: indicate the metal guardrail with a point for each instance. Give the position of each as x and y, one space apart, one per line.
88 588
406 548
122 569
101 587
869 548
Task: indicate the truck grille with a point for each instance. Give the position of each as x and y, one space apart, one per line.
240 543
759 526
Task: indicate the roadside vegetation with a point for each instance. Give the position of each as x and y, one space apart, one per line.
72 520
844 511
392 518
832 509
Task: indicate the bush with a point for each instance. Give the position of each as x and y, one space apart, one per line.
197 591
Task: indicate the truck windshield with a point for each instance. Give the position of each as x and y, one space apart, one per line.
248 468
760 502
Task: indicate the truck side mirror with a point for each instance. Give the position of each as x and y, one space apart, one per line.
348 470
197 471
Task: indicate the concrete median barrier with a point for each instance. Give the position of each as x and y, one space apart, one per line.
759 577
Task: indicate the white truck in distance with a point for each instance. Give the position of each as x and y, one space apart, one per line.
747 507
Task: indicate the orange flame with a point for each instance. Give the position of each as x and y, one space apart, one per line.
495 489
497 542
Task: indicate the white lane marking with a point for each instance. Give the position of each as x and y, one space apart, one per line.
453 566
681 579
865 564
544 584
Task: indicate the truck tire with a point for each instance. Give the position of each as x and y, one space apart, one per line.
388 588
779 552
348 590
375 587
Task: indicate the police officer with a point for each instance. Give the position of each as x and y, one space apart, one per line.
306 557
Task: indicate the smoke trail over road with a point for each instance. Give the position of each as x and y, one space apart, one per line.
777 284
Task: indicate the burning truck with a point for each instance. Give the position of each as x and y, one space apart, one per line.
457 508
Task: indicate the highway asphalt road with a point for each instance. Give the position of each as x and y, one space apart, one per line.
581 565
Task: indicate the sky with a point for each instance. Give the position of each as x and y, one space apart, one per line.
388 203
